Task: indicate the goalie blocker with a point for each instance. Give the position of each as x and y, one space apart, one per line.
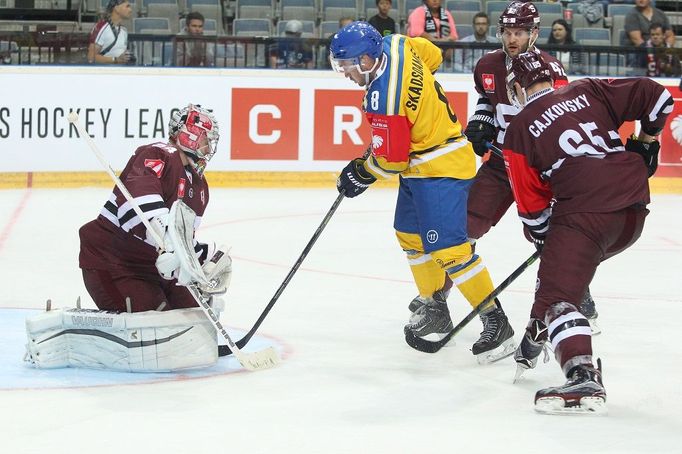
135 342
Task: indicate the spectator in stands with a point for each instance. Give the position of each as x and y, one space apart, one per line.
466 59
345 21
109 39
433 22
561 35
661 60
291 51
639 20
382 21
194 52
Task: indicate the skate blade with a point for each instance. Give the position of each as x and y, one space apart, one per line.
519 372
555 405
505 349
595 328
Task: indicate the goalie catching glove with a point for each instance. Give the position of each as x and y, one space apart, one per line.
218 271
648 151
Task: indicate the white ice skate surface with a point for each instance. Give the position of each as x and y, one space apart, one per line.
349 383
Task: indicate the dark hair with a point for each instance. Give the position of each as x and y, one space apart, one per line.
113 4
480 14
389 1
194 15
657 25
569 33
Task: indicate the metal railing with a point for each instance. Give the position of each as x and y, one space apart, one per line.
49 47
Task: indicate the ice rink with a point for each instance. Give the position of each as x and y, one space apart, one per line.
348 383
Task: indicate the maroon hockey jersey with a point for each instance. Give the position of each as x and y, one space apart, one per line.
494 105
565 146
155 177
490 79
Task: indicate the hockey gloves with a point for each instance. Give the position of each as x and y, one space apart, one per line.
218 272
648 151
354 179
538 239
479 132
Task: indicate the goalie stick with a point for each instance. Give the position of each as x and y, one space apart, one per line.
426 346
252 361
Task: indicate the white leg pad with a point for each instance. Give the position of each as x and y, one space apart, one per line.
135 342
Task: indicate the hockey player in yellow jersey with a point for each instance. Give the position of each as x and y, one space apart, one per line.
416 135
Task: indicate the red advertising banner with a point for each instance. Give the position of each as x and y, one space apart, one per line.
341 129
265 123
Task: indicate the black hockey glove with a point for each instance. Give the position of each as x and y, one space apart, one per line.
354 179
537 239
648 151
479 132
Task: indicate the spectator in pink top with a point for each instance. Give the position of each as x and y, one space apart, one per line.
433 22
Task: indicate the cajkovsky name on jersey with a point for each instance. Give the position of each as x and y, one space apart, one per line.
555 111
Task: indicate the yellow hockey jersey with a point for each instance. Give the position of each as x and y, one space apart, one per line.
415 132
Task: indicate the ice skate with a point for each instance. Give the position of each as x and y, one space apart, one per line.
431 321
583 393
588 309
533 343
442 294
497 338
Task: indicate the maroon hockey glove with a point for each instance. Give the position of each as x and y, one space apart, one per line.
354 179
648 151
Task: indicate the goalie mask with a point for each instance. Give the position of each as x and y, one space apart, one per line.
195 131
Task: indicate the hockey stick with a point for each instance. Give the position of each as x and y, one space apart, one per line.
494 150
432 347
252 361
224 350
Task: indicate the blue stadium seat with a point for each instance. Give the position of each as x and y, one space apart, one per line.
580 34
141 24
251 27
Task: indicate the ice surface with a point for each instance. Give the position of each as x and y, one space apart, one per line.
348 383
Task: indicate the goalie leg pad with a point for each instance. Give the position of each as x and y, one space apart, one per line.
138 342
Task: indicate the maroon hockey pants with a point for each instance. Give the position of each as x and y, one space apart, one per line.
490 197
109 290
575 245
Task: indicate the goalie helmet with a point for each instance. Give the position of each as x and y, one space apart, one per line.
195 131
352 42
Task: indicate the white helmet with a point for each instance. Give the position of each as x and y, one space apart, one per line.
188 126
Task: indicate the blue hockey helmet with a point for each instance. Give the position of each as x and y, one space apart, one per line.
352 42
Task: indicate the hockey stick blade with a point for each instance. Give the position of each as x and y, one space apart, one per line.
253 361
426 346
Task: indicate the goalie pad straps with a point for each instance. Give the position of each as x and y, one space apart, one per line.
138 342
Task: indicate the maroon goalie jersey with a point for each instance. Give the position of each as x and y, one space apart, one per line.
155 177
565 146
494 105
